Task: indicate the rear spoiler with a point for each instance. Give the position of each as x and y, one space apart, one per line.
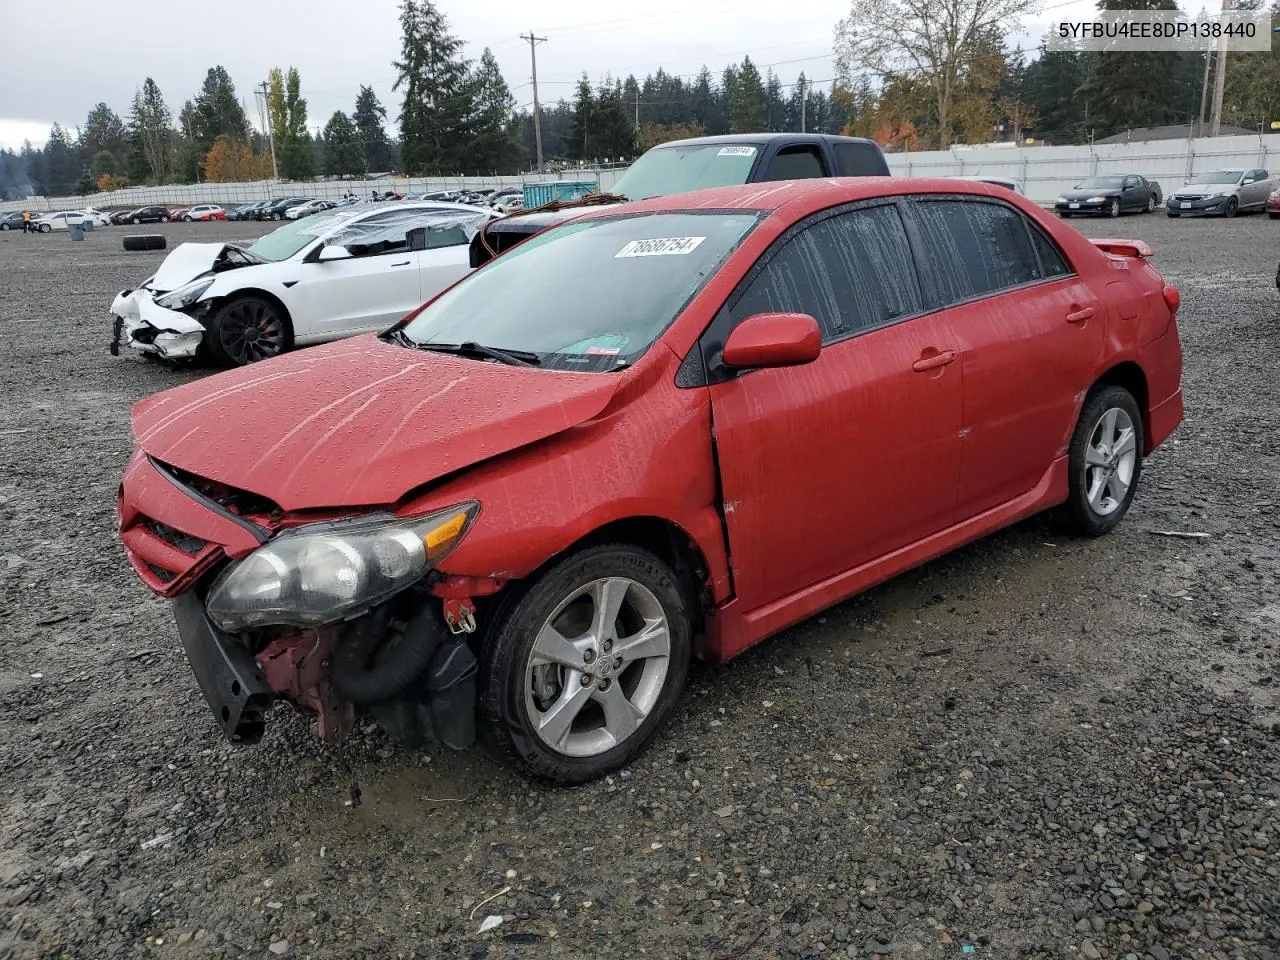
1125 248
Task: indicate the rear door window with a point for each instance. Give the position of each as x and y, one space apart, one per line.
801 162
974 249
859 160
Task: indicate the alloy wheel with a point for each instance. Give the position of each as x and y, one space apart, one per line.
249 331
597 667
1109 461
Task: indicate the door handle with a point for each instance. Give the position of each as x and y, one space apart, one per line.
934 361
402 263
1080 315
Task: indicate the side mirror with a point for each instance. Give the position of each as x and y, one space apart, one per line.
334 253
773 340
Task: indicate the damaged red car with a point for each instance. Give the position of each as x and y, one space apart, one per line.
664 430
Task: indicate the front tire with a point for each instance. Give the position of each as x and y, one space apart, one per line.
581 668
187 219
45 228
245 330
1104 462
1233 207
1114 209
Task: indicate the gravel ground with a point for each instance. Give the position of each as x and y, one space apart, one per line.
1035 747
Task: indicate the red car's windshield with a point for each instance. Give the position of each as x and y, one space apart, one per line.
590 295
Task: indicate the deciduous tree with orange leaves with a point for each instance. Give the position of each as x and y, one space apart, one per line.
233 161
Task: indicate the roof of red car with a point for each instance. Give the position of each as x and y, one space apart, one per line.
814 193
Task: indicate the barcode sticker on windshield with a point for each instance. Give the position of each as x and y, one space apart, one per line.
736 152
659 247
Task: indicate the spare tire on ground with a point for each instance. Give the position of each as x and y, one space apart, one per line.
146 241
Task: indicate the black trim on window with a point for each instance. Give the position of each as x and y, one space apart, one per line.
909 201
711 343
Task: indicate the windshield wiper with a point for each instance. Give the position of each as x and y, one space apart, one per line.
469 348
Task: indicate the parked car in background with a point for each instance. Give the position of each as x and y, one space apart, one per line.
684 165
121 217
1006 182
244 211
308 208
1273 205
205 211
178 214
1110 196
99 218
331 275
275 210
1222 193
506 201
11 220
519 507
57 221
154 214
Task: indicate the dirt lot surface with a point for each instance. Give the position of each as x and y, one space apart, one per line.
1036 747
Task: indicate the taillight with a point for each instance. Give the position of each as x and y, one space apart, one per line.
1172 297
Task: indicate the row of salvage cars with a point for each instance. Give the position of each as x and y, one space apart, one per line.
519 511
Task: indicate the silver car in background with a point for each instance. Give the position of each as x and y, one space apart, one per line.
1221 193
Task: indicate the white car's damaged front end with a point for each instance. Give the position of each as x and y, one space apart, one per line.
162 316
142 324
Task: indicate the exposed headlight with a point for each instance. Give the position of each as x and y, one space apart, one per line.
323 572
1096 200
185 296
1061 200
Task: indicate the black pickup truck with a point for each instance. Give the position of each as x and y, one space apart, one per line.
684 165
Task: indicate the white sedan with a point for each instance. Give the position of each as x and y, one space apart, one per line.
332 275
59 220
308 208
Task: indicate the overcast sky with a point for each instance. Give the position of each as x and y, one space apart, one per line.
63 56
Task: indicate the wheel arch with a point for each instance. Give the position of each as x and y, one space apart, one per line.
1131 377
664 538
218 301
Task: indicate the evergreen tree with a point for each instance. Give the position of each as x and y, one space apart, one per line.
1051 88
151 129
437 98
369 118
775 109
217 111
613 130
494 146
294 150
63 168
580 142
1136 88
104 140
344 155
746 100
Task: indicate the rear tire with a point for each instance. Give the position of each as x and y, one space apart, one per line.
1151 203
576 714
1104 462
245 330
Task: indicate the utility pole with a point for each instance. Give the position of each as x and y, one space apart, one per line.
271 136
637 109
537 110
1219 77
804 101
1204 91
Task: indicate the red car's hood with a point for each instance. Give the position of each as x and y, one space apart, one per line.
358 422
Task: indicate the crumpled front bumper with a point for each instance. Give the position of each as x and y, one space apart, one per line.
138 322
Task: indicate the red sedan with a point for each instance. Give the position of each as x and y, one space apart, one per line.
664 430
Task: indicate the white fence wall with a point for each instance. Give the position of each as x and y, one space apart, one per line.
233 194
1043 171
1046 171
